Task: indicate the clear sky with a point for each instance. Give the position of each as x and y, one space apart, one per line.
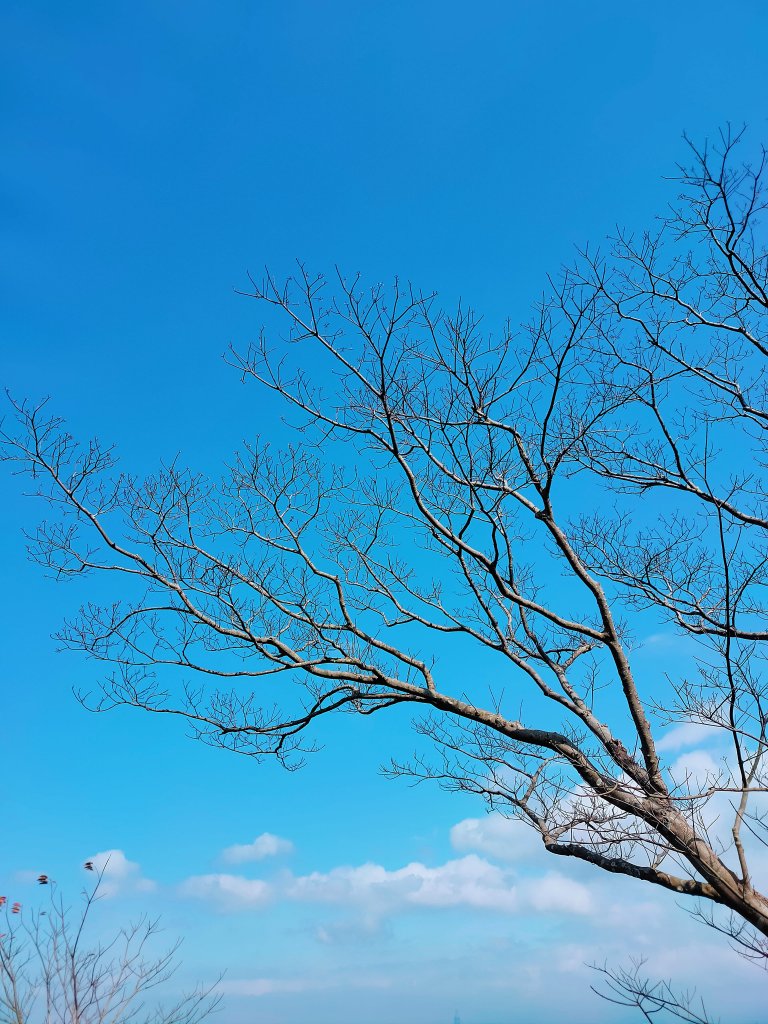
152 154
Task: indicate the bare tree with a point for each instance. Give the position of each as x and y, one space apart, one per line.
655 1000
535 496
50 972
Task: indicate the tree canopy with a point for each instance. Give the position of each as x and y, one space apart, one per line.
538 495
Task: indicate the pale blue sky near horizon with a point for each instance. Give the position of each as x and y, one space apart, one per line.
153 154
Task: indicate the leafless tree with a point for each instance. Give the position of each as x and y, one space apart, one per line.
521 504
50 972
655 1000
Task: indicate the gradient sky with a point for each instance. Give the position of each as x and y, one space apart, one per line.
152 154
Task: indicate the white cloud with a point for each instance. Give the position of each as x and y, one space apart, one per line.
688 734
506 839
467 881
115 865
120 875
558 894
487 949
265 845
696 769
376 892
227 892
352 931
668 643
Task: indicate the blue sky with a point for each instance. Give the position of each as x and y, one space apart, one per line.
153 153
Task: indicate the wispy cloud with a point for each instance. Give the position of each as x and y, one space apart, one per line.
256 987
688 734
354 930
667 643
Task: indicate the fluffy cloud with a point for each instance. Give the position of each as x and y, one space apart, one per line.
505 839
265 845
469 881
696 769
227 892
375 891
554 893
120 875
